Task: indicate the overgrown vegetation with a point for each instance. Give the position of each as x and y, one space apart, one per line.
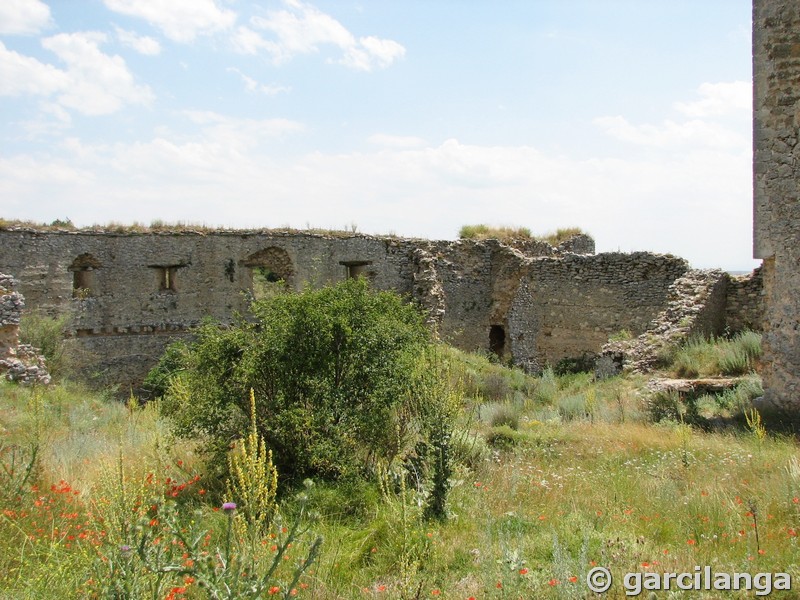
455 476
161 226
347 378
47 334
485 232
504 234
700 357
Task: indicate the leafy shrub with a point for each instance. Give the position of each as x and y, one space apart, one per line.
573 407
547 388
578 364
47 334
470 450
503 438
502 414
664 406
174 359
340 373
495 387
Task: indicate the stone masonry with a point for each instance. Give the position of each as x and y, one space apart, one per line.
776 181
19 362
129 294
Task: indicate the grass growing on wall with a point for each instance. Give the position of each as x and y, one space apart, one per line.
553 475
487 232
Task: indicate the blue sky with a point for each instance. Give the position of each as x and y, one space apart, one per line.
630 119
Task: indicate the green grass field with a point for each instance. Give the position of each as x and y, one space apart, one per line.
554 476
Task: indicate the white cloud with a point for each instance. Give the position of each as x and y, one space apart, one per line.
93 83
719 99
241 134
695 204
251 85
396 141
179 20
304 29
23 16
21 74
98 83
706 126
52 120
370 52
671 134
143 44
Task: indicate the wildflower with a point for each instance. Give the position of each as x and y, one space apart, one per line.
573 579
796 500
691 542
435 592
523 571
381 588
274 590
553 582
762 551
792 532
229 506
499 585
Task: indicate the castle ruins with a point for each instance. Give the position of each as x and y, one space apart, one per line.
130 293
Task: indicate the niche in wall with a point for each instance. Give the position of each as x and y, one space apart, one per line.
83 270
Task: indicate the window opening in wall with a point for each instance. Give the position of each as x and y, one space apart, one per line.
83 270
357 268
266 283
271 272
497 340
166 277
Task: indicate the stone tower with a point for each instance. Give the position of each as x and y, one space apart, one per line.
776 145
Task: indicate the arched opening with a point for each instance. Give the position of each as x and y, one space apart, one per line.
271 272
83 275
497 340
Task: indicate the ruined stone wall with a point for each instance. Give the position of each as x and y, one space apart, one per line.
776 129
11 304
130 294
569 306
745 302
18 362
695 307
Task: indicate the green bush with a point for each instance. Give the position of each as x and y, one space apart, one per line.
495 387
47 334
546 390
503 437
342 376
715 356
502 414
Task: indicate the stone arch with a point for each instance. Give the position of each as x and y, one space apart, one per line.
83 275
268 268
